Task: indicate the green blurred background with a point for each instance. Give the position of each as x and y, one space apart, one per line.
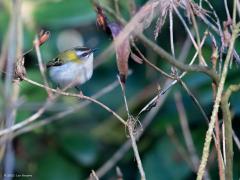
71 147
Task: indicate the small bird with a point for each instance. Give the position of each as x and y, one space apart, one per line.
72 67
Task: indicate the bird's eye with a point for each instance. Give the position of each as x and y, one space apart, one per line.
84 54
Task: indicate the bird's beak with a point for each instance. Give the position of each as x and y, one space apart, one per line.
94 50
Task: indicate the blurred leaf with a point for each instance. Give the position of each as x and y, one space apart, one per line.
64 13
4 19
53 166
163 162
80 147
33 93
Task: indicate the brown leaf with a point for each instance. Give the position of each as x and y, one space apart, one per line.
122 51
101 20
43 36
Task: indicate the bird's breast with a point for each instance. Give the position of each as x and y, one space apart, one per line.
71 72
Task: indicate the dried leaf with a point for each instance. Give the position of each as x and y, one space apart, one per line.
101 19
43 36
122 51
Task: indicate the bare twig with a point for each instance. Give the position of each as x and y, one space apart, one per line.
40 64
131 129
11 90
119 173
237 142
195 26
81 96
186 131
186 27
218 98
227 9
69 111
171 33
124 95
127 145
135 150
194 99
227 118
179 148
173 82
151 64
145 123
93 176
176 63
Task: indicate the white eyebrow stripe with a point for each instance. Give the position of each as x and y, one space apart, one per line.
79 53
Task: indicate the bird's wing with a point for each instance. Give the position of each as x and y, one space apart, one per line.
55 62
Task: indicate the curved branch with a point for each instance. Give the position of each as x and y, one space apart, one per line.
81 96
171 60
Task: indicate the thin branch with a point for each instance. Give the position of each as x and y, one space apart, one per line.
69 111
237 142
217 102
40 64
135 150
179 147
130 27
93 176
186 131
175 81
127 145
227 118
116 5
186 27
131 129
169 59
195 26
11 89
151 64
81 96
145 123
124 95
194 99
171 32
227 9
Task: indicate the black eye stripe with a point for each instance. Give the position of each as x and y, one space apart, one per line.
84 54
82 49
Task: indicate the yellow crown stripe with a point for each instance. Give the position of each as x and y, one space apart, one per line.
70 56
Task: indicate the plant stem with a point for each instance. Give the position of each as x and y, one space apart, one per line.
227 118
209 133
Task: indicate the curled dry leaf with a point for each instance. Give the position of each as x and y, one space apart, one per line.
137 24
122 51
101 19
43 36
